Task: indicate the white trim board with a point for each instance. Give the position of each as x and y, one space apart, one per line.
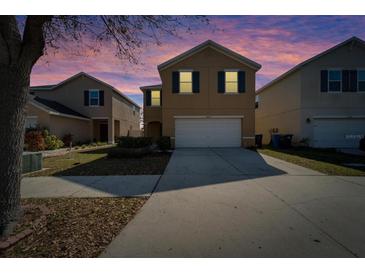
339 117
208 116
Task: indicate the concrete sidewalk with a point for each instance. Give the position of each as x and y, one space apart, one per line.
88 186
237 203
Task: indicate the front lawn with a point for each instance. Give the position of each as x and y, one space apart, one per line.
327 161
96 163
72 227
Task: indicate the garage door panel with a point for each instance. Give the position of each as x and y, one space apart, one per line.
207 132
338 133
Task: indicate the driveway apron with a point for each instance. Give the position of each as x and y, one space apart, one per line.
232 202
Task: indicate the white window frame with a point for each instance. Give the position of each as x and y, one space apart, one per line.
191 72
159 103
358 80
31 117
94 90
328 80
225 81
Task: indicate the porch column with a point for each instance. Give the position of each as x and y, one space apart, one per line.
111 131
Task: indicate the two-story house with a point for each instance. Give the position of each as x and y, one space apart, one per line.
206 99
84 106
320 101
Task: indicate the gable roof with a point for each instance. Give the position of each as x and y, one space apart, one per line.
353 39
158 86
214 45
52 87
55 108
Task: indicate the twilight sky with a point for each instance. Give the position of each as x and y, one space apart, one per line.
276 42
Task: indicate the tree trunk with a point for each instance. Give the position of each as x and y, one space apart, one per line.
14 88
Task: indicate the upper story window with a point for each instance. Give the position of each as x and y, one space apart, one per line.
334 80
342 80
231 83
186 82
94 99
361 80
155 98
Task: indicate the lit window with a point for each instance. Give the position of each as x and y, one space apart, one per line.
231 81
361 80
155 98
94 97
334 80
186 82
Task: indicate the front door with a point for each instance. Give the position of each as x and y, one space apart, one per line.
103 132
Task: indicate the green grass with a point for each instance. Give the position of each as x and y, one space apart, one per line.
327 161
96 163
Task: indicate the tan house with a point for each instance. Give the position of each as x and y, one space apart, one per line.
321 101
206 99
86 107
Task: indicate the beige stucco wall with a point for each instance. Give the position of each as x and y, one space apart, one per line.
279 107
208 101
71 94
128 117
80 129
288 104
316 103
43 118
59 125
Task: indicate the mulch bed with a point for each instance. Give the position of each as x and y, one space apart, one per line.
71 227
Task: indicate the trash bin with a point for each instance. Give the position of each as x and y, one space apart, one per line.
258 140
285 140
275 140
362 144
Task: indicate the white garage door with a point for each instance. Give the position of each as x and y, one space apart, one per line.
208 132
338 133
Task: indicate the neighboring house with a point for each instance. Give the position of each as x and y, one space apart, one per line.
86 107
321 100
206 99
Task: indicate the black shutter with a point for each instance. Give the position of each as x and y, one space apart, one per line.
148 97
175 82
196 82
241 81
101 97
86 97
324 80
221 81
345 80
353 80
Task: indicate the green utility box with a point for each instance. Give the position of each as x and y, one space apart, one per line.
32 161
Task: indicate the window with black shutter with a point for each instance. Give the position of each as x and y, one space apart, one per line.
361 80
334 81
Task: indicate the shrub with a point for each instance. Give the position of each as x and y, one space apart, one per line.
164 143
121 152
34 141
134 142
67 139
53 142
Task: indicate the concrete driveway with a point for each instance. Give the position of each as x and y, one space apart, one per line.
237 203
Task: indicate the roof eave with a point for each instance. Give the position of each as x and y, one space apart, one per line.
300 65
240 58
